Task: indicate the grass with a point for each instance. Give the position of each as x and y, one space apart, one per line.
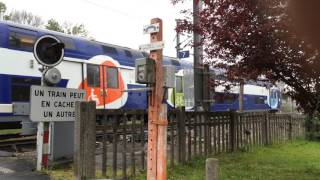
10 131
61 172
296 161
65 172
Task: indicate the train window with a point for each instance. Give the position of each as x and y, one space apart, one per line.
222 98
68 42
20 93
112 77
128 53
21 41
179 86
93 75
259 100
109 50
230 98
218 98
175 62
25 81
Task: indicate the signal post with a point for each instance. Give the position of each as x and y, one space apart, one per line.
49 52
157 108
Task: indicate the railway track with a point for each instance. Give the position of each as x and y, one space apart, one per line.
9 136
20 141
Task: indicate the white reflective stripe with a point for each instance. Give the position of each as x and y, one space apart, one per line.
6 108
45 148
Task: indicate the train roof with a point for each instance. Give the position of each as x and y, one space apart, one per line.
84 48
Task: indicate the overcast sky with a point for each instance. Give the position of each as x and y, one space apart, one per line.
117 22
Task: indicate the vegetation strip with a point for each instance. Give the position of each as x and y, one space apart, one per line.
299 160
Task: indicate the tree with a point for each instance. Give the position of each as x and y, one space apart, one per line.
253 39
3 8
27 18
54 26
67 27
75 29
24 17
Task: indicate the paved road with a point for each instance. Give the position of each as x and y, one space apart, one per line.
18 168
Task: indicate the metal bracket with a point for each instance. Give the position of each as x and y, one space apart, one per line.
138 89
208 100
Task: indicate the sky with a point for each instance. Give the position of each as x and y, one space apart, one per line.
117 22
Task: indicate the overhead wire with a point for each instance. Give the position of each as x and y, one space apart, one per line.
114 10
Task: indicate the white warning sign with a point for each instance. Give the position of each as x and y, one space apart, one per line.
54 104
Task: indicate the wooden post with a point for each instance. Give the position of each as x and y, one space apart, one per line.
290 128
85 139
104 146
232 131
157 112
212 169
182 135
266 129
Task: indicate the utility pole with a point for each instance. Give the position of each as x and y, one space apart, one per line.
178 48
198 62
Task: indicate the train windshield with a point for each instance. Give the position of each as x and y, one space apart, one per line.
274 98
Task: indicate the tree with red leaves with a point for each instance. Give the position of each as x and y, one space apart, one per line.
251 39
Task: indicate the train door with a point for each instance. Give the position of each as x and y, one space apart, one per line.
93 84
105 85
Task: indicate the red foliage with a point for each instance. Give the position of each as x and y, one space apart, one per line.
256 38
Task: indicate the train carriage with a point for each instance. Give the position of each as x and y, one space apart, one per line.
104 70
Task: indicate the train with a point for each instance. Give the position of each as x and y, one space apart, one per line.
105 71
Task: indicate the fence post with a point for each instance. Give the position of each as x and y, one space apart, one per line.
232 130
290 128
181 135
85 139
266 129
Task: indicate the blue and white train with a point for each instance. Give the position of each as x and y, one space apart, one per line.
99 68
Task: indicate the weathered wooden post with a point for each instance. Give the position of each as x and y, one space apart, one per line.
212 169
182 135
266 129
85 139
232 131
157 110
290 128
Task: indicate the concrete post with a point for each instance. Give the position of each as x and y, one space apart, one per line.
212 169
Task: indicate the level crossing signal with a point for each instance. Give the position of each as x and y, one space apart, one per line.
49 51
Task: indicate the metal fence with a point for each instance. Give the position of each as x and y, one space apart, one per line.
122 136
